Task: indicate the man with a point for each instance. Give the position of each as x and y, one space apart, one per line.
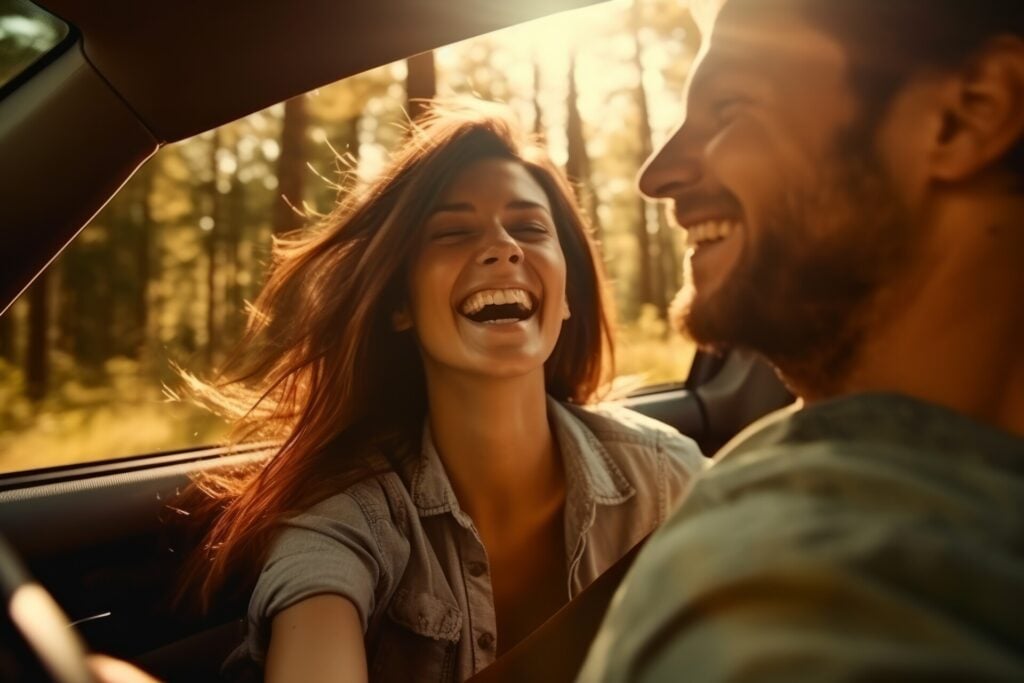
851 176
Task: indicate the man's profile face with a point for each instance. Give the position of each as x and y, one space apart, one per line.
792 222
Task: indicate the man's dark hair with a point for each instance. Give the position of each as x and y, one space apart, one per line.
889 41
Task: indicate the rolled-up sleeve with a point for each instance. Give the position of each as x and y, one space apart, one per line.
342 546
683 464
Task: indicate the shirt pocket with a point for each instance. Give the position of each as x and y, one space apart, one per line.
417 640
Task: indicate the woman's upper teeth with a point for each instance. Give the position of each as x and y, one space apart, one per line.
710 231
488 297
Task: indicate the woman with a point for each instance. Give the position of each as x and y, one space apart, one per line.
425 355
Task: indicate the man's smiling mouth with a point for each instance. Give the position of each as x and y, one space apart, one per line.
709 232
498 306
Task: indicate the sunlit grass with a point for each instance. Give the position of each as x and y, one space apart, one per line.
127 414
647 352
111 431
122 416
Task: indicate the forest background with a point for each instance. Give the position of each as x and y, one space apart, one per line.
162 273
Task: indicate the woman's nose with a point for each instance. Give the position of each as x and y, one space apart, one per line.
500 247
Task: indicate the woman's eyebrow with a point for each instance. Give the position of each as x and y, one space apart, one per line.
466 207
459 207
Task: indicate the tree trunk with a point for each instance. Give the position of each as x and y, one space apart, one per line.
669 256
351 140
651 286
144 258
347 145
420 83
233 295
291 166
538 114
215 214
656 242
7 336
155 296
37 361
577 165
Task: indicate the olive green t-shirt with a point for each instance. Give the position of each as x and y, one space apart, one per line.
868 538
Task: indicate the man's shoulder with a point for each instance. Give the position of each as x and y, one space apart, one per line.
871 447
868 466
879 419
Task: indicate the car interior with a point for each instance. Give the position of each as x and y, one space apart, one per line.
105 539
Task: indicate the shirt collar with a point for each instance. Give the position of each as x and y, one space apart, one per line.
591 477
429 486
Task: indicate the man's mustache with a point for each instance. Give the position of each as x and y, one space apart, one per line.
696 205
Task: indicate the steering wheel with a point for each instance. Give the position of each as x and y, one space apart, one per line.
38 642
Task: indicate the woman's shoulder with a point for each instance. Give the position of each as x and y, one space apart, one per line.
352 543
623 431
615 422
359 530
378 500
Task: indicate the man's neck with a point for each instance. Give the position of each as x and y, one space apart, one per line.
952 333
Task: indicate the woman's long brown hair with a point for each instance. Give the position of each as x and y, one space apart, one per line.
320 369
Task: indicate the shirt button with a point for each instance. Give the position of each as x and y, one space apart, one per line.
477 568
485 641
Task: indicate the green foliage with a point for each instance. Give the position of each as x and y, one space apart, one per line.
162 274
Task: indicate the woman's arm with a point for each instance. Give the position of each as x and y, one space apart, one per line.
318 639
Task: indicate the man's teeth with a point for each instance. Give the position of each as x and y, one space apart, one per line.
490 297
710 231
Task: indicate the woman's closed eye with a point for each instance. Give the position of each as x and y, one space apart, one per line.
450 233
530 230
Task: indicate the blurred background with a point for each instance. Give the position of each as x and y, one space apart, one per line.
162 274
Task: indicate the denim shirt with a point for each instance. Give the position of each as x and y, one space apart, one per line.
402 550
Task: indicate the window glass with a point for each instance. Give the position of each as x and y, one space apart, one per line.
160 277
26 33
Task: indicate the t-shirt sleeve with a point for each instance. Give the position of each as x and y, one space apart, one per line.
345 545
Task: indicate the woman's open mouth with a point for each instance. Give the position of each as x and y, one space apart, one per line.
498 306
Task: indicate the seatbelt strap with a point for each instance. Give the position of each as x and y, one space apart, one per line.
556 649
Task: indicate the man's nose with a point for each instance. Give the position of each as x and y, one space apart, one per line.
672 168
500 247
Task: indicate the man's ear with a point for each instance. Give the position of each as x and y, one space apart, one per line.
983 115
401 320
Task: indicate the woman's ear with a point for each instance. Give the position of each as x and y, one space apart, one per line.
983 112
401 320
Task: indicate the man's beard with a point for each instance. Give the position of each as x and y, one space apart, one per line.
804 290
